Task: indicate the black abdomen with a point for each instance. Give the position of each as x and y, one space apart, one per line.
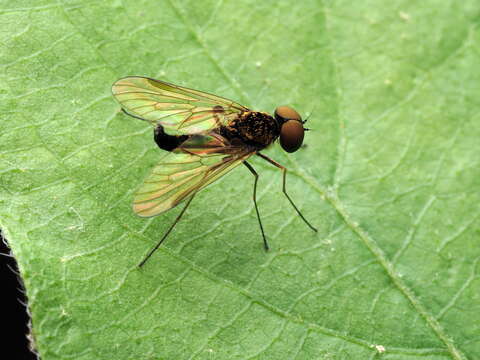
167 142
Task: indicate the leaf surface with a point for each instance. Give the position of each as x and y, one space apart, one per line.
390 176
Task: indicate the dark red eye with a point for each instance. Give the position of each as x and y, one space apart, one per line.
291 135
284 113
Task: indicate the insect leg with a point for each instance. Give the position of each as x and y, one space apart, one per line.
284 189
135 116
168 232
250 167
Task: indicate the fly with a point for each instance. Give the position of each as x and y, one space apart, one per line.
206 137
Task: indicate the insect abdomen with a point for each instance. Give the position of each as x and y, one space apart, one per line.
167 142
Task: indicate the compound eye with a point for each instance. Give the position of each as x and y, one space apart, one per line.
291 135
284 113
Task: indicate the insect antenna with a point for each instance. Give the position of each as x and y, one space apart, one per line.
308 117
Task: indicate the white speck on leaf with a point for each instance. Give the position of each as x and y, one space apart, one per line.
379 348
404 16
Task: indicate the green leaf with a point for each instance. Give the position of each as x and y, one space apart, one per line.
390 176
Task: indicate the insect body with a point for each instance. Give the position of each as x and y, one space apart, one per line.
206 136
255 129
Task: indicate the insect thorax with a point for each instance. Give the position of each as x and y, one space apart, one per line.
253 128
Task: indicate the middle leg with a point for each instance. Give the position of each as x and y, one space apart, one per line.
250 167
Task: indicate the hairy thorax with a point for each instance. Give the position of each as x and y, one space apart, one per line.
257 129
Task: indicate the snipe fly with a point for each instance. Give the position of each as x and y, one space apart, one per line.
206 137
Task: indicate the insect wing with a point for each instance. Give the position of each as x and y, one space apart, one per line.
179 110
196 163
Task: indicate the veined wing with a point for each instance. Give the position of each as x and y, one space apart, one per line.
189 168
178 109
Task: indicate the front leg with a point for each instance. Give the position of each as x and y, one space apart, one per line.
284 188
